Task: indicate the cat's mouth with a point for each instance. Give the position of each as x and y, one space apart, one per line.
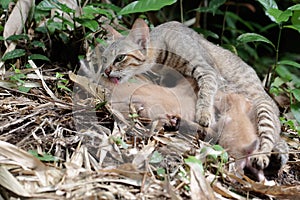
115 80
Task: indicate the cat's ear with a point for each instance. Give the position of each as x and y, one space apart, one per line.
112 32
140 33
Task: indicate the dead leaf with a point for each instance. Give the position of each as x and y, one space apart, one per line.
17 18
8 181
128 170
200 188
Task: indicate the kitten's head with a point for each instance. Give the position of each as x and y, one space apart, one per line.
238 101
126 56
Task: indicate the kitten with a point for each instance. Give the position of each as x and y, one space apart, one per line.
212 67
237 133
154 102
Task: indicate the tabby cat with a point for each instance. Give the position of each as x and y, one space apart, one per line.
174 45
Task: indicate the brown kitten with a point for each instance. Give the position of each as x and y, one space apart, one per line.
237 133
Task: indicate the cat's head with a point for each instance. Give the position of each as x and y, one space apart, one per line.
126 56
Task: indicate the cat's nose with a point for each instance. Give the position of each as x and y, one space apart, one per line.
107 71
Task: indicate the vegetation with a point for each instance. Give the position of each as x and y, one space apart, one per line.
45 39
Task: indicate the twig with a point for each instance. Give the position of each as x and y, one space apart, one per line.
32 64
20 127
19 120
57 102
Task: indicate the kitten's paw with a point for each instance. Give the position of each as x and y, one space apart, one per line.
260 161
204 118
172 122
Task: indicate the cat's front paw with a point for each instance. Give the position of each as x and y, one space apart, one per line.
260 161
204 118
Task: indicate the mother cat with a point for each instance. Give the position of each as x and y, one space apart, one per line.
174 45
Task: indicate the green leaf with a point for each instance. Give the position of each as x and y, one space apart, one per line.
59 75
283 72
64 37
18 37
253 37
119 141
91 24
294 7
294 27
38 44
296 93
65 8
63 87
224 155
24 89
91 11
233 16
100 105
13 54
296 18
53 25
110 7
194 160
45 157
5 3
280 16
268 4
290 63
213 7
161 172
45 5
206 33
38 57
156 157
277 82
295 108
145 5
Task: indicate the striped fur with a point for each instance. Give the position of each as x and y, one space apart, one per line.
212 67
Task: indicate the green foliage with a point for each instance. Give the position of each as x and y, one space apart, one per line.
156 157
215 154
145 5
161 172
4 3
17 78
62 83
213 7
120 141
44 157
253 37
16 53
192 159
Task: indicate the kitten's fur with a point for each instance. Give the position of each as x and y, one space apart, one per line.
176 46
237 132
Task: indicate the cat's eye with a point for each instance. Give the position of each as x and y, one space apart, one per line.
120 58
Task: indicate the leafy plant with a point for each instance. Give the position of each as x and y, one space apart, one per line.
62 82
285 19
44 157
145 5
285 69
17 78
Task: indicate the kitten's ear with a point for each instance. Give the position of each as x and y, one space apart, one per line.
140 33
115 34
